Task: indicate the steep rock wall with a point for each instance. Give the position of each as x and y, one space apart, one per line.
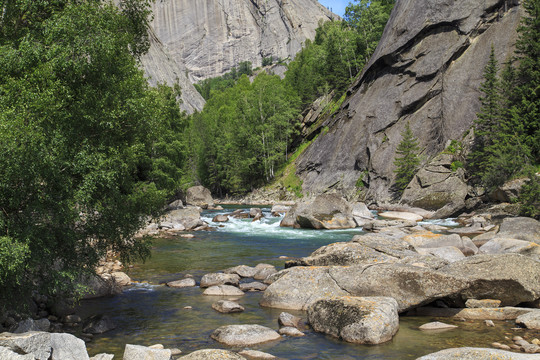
426 71
211 36
160 67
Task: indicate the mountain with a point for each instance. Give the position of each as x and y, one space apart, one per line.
426 71
209 37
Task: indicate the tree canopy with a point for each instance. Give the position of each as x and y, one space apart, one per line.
89 150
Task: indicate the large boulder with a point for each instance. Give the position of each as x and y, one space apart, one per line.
7 354
361 213
503 245
244 335
362 320
199 196
530 320
468 353
138 352
511 278
188 218
100 286
326 211
212 354
520 228
45 346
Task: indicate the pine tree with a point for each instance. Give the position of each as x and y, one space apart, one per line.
527 107
407 161
488 119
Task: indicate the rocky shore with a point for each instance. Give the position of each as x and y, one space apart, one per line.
488 269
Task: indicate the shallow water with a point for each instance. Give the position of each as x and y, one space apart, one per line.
149 313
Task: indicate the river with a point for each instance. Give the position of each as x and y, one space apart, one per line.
150 313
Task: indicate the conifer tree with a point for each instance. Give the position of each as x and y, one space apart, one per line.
527 107
407 161
489 117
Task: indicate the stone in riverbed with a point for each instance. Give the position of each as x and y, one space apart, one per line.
503 313
226 307
326 211
530 320
253 286
137 352
242 270
187 282
199 196
484 303
469 353
256 355
214 279
436 325
244 335
102 356
290 331
264 271
220 218
36 343
32 325
212 354
121 278
67 347
223 290
289 320
362 320
400 215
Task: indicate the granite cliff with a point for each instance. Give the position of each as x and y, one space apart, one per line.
211 37
426 71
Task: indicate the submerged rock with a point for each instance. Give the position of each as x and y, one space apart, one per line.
244 335
288 320
256 355
437 326
400 215
99 325
362 320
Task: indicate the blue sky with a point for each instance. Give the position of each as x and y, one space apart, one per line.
338 6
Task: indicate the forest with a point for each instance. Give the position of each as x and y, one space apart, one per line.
90 151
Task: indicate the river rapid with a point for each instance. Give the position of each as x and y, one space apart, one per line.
150 313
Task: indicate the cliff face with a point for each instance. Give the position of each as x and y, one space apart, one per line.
209 37
426 71
160 67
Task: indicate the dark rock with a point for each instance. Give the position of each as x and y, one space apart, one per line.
99 324
32 325
363 320
509 191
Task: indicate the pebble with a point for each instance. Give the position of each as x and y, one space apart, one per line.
516 338
489 323
188 307
187 236
535 341
437 325
290 331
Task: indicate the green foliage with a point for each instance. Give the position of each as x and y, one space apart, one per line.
455 147
88 149
292 182
456 165
407 160
267 61
216 84
339 52
529 197
242 136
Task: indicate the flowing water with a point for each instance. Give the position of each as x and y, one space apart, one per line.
149 313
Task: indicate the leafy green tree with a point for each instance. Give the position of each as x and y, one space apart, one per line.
83 159
407 159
